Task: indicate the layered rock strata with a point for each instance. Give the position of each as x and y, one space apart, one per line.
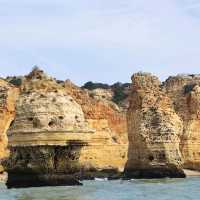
60 129
184 90
154 131
96 110
8 95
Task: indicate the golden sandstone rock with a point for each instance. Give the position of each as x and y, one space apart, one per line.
8 95
184 90
61 128
109 123
154 131
164 116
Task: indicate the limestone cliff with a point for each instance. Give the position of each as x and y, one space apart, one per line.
8 95
60 129
154 131
184 90
98 109
170 104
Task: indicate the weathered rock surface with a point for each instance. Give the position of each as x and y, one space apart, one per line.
185 94
154 131
97 110
177 102
8 95
102 94
60 129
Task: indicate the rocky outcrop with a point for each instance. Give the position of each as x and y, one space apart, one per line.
116 93
96 110
60 129
102 94
184 90
8 95
172 104
154 131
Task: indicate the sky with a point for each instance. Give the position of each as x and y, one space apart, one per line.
100 40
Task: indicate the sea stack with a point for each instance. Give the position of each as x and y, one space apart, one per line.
154 131
60 134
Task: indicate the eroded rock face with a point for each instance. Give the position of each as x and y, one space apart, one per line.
40 111
109 143
154 131
102 94
60 129
8 95
104 112
185 94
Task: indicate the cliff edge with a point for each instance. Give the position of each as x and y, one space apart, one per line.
60 130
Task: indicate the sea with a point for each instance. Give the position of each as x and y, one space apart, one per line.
162 189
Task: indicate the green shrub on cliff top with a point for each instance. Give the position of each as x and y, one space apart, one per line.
16 81
92 86
118 89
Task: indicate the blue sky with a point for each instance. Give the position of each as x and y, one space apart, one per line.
100 40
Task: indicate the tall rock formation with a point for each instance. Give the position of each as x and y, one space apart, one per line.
60 130
8 95
184 90
154 131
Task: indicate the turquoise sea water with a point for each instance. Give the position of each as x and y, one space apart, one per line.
165 189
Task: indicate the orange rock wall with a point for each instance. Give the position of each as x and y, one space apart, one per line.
8 96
